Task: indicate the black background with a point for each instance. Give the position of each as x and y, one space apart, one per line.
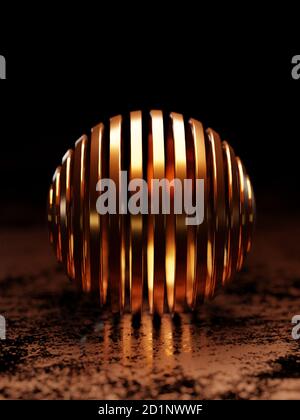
67 71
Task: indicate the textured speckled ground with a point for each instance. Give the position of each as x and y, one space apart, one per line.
59 345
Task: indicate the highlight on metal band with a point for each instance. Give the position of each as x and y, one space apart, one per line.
155 261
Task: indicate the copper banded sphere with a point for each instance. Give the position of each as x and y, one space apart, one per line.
153 261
